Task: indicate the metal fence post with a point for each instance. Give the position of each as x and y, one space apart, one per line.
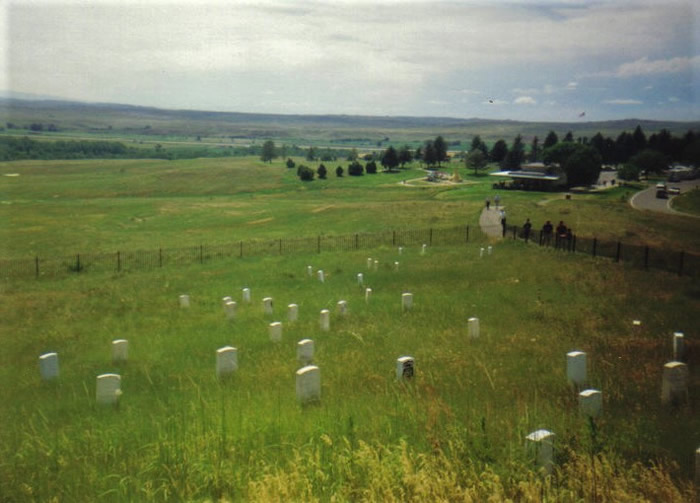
241 252
357 241
119 262
467 239
160 257
618 253
318 246
280 247
595 245
36 266
201 254
431 236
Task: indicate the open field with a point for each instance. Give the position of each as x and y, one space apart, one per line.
455 432
67 207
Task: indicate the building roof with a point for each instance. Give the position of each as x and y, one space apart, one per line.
527 175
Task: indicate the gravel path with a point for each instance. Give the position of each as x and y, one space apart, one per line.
490 222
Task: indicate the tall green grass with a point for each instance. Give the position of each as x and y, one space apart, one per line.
455 432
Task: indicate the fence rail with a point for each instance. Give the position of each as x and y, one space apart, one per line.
140 260
645 257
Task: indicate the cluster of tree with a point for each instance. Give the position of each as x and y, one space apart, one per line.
34 126
14 148
269 151
355 168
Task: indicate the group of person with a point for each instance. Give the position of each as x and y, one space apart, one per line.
561 234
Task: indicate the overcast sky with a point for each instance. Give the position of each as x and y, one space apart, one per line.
518 59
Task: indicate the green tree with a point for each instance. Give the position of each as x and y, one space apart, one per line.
650 161
311 154
498 151
355 169
305 173
476 159
515 156
628 172
535 150
405 155
639 139
390 158
440 147
478 144
550 140
290 163
371 168
569 137
352 155
269 151
321 171
581 163
339 171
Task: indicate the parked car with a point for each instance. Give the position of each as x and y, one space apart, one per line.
661 194
674 191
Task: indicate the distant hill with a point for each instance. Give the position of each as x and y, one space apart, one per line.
116 119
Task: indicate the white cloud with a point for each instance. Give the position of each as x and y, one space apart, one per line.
572 86
524 100
643 66
622 102
673 99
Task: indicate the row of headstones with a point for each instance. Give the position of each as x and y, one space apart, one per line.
674 390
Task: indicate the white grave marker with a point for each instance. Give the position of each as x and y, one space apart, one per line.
423 249
360 279
400 250
325 320
246 295
542 443
376 265
369 263
636 323
489 250
292 312
321 276
309 270
48 366
406 301
108 388
368 294
405 367
224 300
674 388
184 301
678 346
267 305
481 253
230 309
226 361
120 350
308 384
275 331
342 307
473 328
305 351
590 402
396 266
576 367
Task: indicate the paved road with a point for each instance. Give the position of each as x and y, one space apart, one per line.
647 200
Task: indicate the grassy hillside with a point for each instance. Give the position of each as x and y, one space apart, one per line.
455 432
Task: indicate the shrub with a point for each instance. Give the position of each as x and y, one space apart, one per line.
290 163
371 168
305 173
339 171
355 169
321 171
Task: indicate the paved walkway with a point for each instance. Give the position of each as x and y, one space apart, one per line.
647 200
490 221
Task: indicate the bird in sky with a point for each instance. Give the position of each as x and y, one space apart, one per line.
582 114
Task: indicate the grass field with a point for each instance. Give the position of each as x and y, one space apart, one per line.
455 432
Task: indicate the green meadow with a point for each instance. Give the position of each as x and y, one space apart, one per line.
455 432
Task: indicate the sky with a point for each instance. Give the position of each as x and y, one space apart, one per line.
535 60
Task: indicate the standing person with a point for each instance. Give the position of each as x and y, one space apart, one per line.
496 200
488 203
503 222
547 230
561 234
527 226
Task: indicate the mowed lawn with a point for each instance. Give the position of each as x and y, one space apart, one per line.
66 207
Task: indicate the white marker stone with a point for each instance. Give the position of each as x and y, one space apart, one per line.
120 350
48 366
369 263
473 328
541 442
275 331
308 384
489 250
184 301
230 309
224 300
360 279
406 301
590 402
325 320
405 367
305 351
678 346
636 323
246 295
481 253
309 270
292 312
376 265
226 361
368 294
423 249
396 266
400 250
267 305
576 367
342 307
321 276
674 388
108 388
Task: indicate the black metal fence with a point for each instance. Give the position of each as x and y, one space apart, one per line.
140 260
640 256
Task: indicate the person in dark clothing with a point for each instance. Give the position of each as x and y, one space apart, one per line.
527 226
488 203
561 234
547 230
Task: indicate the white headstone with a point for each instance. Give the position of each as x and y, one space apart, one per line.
590 402
230 309
342 307
275 331
674 388
48 366
541 442
576 367
376 265
325 320
224 300
481 253
405 367
184 301
360 279
120 350
292 312
305 351
489 250
636 323
406 301
226 361
246 295
309 270
308 384
678 346
321 276
267 305
369 263
423 249
396 266
368 294
400 250
473 328
108 388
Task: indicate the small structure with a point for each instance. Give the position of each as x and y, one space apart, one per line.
533 176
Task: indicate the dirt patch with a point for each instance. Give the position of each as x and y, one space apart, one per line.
261 221
323 208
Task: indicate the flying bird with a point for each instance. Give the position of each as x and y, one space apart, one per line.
490 101
582 114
